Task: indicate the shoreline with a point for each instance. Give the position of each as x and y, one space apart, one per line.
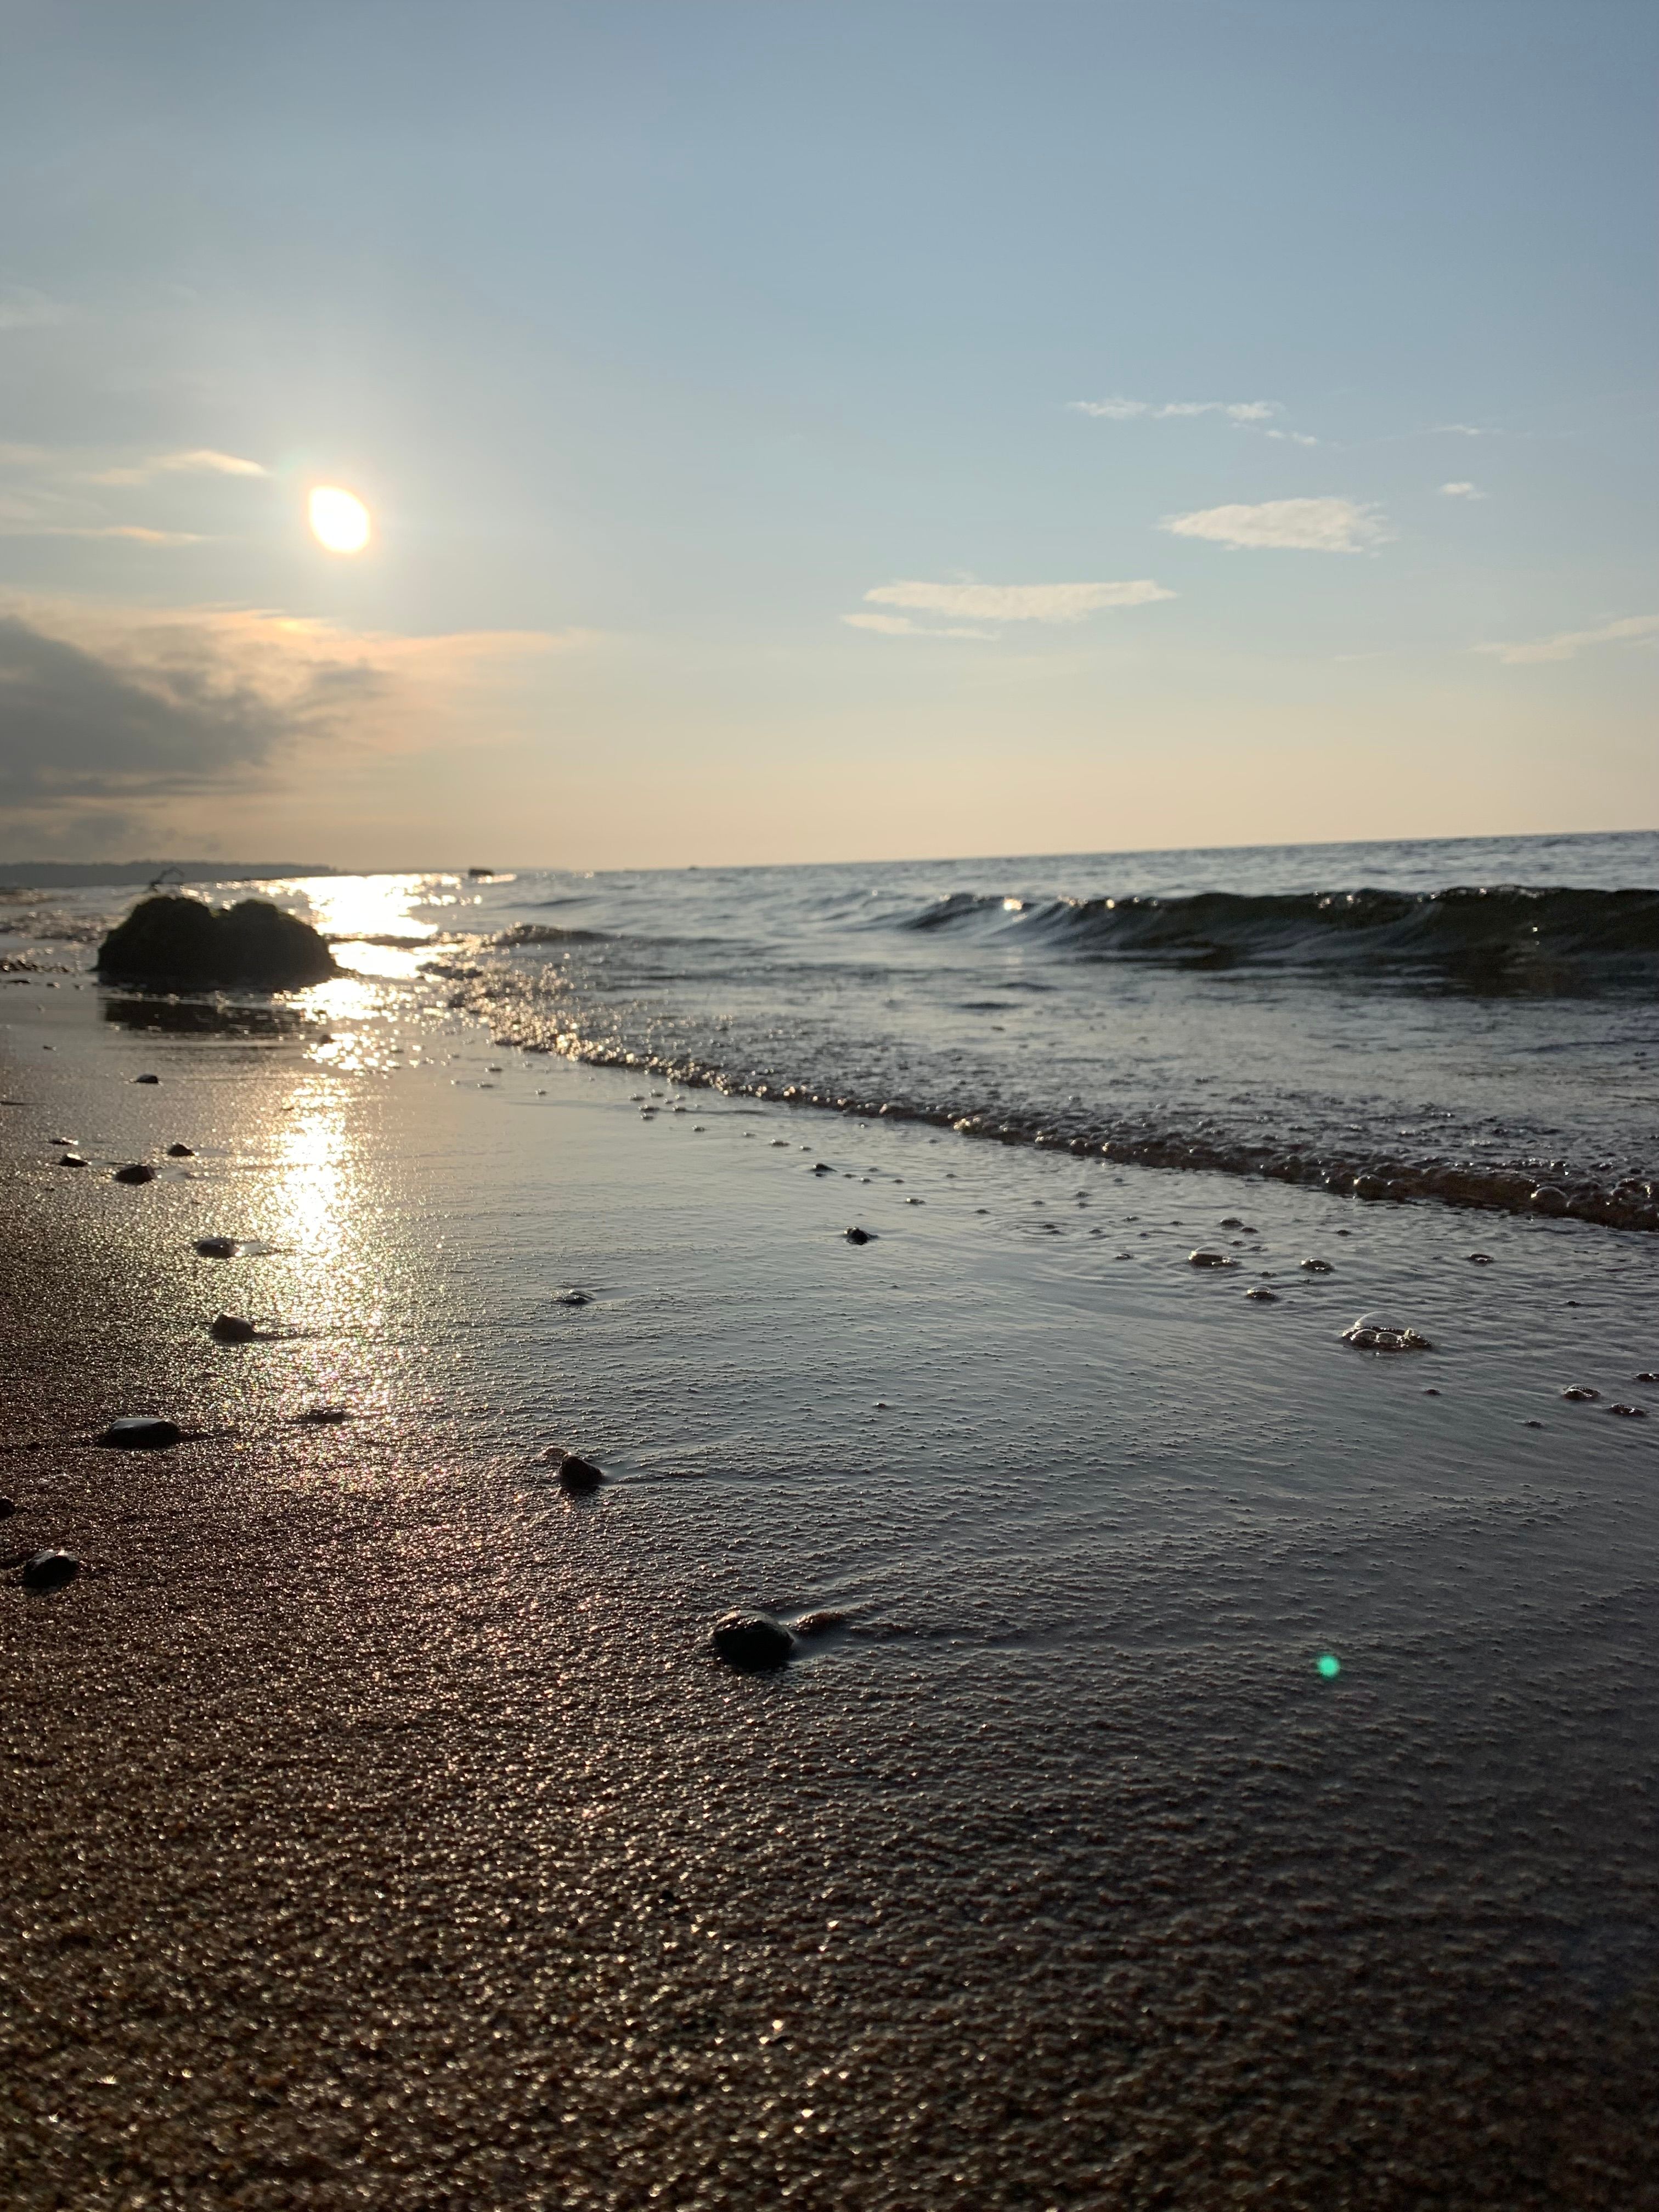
383 1832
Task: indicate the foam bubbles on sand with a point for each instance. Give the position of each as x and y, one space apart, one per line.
1373 1333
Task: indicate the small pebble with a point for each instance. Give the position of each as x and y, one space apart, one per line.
820 1169
1481 1259
1432 1393
135 1171
181 1153
819 1624
1208 1259
1647 1375
572 1298
1580 1392
1630 1413
8 1507
752 1641
1532 1425
1231 1221
1318 1267
71 1160
231 1328
216 1248
1262 1297
325 1416
141 1432
147 1079
50 1571
860 1236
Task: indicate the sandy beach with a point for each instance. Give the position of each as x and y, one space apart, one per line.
383 1831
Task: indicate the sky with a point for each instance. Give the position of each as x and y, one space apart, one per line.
802 430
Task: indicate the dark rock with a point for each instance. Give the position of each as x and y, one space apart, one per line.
572 1298
231 1328
176 944
1208 1259
181 1153
819 1624
136 1172
1547 1199
216 1248
8 1507
860 1236
819 1168
753 1641
141 1432
1630 1413
1231 1221
147 1079
574 1473
1318 1267
1481 1259
71 1160
1647 1375
1580 1393
1263 1298
50 1571
325 1416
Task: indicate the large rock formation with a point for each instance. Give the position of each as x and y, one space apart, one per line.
170 943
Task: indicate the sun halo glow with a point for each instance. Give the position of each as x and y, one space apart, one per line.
338 521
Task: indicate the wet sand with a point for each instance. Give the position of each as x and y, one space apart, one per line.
382 1831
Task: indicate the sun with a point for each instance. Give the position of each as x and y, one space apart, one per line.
338 521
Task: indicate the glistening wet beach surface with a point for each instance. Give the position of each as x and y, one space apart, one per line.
386 1833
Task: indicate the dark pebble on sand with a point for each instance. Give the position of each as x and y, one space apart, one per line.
322 1417
134 1171
141 1432
1481 1259
1630 1413
1318 1267
820 1169
752 1641
574 1473
8 1507
231 1328
572 1298
71 1160
1647 1375
1371 1333
216 1248
1580 1393
819 1624
1231 1221
860 1236
181 1153
1263 1297
147 1079
50 1571
1208 1259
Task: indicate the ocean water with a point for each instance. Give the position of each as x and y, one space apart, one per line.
1475 1020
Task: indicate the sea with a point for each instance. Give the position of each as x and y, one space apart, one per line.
1471 1020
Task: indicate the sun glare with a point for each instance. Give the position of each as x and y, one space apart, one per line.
338 521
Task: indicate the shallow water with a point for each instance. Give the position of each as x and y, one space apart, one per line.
1461 1019
1067 1874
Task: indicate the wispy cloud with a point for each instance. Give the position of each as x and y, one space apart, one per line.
1127 410
105 705
1288 526
901 626
1460 430
1037 603
1568 644
1461 490
135 531
201 461
1291 437
24 309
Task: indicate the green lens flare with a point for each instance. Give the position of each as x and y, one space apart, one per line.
1329 1665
